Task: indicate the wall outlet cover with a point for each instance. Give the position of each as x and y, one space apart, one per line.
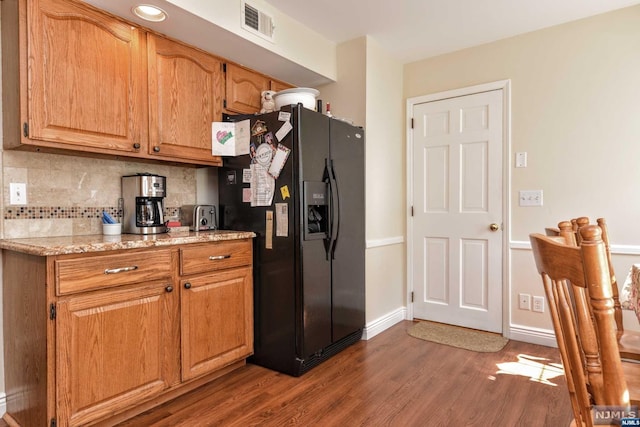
538 304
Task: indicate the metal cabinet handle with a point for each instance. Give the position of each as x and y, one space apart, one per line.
120 270
169 288
187 285
218 257
136 146
156 149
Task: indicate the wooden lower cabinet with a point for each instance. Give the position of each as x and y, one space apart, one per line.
98 355
114 349
208 301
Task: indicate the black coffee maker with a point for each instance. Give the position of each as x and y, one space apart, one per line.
143 203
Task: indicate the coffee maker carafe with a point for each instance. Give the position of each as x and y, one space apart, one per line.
143 203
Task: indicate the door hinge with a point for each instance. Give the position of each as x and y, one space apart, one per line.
224 103
411 296
52 311
52 423
412 123
411 210
25 129
224 68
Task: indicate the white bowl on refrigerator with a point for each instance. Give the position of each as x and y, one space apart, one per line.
305 95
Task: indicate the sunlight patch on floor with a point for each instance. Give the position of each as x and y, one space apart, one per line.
532 367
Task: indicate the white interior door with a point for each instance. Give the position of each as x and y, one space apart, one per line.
457 205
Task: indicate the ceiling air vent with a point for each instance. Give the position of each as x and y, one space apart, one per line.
257 22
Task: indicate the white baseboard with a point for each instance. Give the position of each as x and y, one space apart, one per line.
383 323
532 335
376 243
3 404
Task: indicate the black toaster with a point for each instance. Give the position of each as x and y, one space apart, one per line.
198 217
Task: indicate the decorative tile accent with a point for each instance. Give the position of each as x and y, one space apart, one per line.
69 212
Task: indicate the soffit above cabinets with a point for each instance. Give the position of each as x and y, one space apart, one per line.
187 27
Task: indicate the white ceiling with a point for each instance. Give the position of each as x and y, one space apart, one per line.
417 29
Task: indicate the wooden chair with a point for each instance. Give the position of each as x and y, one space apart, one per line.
577 284
628 341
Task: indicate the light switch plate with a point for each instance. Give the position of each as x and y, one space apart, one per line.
521 160
524 301
17 193
530 198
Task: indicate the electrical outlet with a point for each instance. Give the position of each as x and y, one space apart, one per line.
530 198
524 301
538 304
17 193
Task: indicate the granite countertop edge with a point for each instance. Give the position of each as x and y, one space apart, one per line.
62 245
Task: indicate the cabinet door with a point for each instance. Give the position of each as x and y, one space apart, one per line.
217 320
87 89
186 90
244 89
277 85
115 349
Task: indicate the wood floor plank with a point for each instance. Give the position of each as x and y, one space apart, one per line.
390 380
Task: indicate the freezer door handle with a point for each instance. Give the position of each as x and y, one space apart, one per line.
335 209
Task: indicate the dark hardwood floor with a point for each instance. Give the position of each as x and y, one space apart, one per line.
390 380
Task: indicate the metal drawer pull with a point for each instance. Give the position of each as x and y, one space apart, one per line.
120 270
218 257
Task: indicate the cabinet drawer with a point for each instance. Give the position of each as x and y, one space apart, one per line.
97 272
215 256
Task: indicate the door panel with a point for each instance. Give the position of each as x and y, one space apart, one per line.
348 266
97 371
86 78
186 87
457 194
217 320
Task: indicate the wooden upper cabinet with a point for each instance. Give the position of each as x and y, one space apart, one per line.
186 90
75 78
277 85
244 89
86 78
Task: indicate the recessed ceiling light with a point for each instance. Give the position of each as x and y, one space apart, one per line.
150 13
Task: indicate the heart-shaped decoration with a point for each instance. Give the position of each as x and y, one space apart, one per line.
223 136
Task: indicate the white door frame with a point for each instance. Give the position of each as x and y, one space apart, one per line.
505 85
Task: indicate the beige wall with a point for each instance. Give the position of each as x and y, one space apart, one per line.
575 106
386 206
363 69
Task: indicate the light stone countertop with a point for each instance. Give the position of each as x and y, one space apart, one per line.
49 246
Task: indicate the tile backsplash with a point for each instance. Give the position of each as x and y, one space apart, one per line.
66 194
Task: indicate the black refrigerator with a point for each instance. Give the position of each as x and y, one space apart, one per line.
309 253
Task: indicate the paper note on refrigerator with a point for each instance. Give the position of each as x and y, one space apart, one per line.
230 139
283 131
282 219
268 232
278 161
263 186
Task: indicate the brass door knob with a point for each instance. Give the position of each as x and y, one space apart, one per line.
494 227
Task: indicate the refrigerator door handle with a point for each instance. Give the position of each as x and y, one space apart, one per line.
335 210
